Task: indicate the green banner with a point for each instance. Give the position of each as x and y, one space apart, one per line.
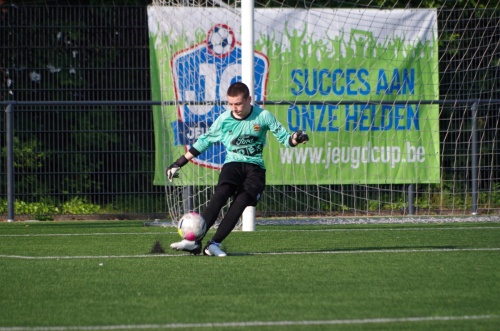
355 87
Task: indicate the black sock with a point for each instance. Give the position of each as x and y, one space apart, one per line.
217 201
232 216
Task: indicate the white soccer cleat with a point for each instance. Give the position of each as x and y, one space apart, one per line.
213 249
193 247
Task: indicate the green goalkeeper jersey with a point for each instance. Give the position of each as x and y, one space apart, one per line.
244 139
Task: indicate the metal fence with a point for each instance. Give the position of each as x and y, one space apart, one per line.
83 158
81 149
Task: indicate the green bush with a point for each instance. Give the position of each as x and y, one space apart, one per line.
79 206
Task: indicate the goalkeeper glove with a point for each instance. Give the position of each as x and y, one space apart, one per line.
300 137
176 166
172 171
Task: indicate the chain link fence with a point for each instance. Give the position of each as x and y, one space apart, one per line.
81 151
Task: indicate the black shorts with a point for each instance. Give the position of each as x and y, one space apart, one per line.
247 177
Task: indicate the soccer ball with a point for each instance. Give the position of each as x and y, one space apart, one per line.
221 40
191 226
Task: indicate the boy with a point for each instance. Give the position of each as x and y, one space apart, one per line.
242 131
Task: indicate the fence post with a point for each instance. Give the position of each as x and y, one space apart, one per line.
411 199
188 199
474 161
9 113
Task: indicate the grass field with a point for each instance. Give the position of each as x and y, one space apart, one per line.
101 276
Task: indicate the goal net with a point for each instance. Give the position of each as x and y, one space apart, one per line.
390 95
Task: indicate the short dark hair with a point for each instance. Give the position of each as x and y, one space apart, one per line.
237 89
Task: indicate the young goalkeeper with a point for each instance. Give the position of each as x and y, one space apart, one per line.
242 131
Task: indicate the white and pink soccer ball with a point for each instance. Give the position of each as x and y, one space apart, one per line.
191 226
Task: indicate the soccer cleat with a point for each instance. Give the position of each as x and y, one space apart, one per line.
213 249
193 247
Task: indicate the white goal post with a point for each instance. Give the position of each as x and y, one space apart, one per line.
248 73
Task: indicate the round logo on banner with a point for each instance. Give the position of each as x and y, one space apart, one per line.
220 40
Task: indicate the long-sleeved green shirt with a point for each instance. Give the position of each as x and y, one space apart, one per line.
244 139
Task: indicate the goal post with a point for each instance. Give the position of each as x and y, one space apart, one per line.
248 73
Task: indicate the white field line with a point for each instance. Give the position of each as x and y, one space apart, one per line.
259 230
254 323
369 251
86 234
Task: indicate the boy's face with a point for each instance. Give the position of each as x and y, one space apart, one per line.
240 106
